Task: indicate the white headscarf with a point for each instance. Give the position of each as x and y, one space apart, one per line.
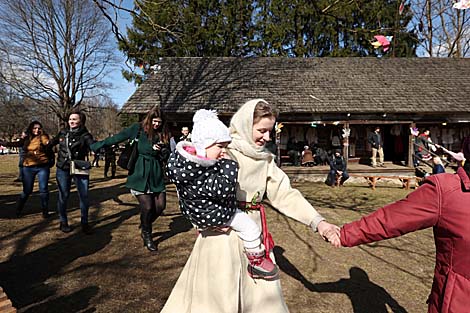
241 130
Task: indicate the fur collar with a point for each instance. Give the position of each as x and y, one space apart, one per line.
180 148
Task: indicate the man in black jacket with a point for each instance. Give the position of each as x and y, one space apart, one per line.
375 141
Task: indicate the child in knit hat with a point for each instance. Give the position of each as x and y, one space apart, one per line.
205 180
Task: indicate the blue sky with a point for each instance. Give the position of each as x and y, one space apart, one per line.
122 89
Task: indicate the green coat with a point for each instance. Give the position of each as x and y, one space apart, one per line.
148 172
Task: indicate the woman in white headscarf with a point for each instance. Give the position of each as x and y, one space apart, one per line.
215 279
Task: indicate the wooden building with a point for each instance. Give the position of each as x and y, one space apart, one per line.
319 97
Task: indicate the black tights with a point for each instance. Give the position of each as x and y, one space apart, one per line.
151 207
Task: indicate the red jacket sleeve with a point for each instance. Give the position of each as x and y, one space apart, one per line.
419 210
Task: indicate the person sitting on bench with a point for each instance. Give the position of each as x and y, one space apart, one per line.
307 157
337 169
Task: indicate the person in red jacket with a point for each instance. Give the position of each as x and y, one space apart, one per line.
442 202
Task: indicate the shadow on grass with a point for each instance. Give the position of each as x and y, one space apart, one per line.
178 224
24 275
76 302
365 295
33 279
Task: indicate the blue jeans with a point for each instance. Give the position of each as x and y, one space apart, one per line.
64 180
29 174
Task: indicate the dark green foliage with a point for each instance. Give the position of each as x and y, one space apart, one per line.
314 28
299 28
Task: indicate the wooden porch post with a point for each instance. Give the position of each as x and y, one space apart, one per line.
278 148
346 143
411 146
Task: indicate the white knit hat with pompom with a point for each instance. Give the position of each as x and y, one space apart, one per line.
208 130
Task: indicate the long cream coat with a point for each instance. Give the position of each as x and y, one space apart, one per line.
215 278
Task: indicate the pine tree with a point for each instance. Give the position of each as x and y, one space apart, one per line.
297 28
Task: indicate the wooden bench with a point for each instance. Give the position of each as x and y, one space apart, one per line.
5 303
372 179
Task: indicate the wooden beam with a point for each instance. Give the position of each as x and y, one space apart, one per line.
411 146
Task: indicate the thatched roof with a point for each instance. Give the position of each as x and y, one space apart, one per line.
308 85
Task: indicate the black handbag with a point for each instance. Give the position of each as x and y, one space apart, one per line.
128 156
77 167
80 167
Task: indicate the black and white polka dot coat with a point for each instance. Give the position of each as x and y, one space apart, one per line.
206 188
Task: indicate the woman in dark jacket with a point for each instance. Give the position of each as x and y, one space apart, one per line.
146 179
79 141
35 162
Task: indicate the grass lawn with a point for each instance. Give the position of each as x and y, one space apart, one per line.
45 270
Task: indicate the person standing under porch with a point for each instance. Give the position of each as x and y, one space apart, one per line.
375 140
185 134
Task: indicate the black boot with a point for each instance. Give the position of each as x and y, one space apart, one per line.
148 242
45 204
45 213
19 207
64 227
146 232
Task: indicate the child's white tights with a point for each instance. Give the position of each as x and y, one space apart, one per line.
247 230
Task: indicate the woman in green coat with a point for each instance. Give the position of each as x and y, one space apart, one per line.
146 179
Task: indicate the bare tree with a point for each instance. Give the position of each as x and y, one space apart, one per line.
15 116
443 31
56 52
102 116
115 10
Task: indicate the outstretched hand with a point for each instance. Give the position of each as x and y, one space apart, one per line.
329 233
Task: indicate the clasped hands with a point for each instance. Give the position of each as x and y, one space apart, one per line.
330 233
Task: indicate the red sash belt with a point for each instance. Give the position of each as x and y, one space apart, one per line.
267 238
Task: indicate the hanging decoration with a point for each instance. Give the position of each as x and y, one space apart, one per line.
382 41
